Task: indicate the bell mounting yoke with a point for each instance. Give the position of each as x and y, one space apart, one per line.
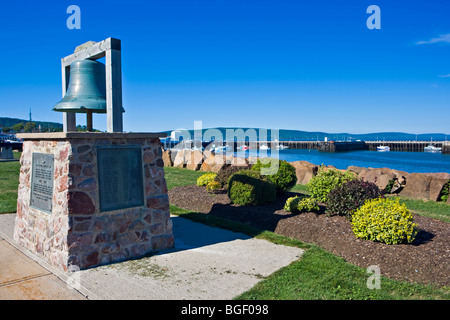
110 49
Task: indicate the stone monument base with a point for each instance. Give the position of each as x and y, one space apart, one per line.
87 199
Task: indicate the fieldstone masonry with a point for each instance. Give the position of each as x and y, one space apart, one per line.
76 232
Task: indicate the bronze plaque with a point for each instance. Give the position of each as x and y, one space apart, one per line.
120 177
42 181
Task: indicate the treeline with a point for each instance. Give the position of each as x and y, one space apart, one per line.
13 125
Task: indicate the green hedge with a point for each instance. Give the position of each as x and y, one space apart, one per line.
282 176
248 187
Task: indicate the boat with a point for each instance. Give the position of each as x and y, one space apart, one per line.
432 148
282 147
264 147
222 148
383 148
243 148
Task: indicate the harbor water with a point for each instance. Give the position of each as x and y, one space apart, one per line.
405 161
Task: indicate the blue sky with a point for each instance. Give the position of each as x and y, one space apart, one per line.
305 65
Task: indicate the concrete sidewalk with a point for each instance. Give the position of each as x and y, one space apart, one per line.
206 264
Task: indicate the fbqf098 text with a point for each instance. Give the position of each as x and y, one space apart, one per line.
235 309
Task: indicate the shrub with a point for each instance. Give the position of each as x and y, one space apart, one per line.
445 192
295 204
308 205
326 180
384 220
283 177
248 187
212 186
226 172
206 178
291 204
349 196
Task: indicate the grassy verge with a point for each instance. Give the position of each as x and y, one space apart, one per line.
431 209
9 181
176 177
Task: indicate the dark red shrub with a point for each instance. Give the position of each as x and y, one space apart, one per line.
344 199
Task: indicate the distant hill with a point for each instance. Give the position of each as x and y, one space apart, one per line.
45 125
297 135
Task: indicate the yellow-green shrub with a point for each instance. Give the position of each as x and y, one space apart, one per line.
213 186
206 178
291 204
308 205
326 180
296 204
384 220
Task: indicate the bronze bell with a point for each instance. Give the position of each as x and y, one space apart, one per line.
86 92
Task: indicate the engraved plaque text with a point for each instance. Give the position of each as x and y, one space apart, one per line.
120 177
42 181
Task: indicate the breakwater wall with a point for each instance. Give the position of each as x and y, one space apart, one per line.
329 146
342 146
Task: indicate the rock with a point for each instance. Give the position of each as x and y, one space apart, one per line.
304 171
213 163
424 186
194 160
179 160
80 203
356 169
167 158
238 161
380 176
438 175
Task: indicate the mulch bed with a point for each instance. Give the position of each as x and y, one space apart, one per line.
425 261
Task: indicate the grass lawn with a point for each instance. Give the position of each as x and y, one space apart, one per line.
9 181
431 209
176 177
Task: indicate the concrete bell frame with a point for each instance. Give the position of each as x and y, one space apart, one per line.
110 49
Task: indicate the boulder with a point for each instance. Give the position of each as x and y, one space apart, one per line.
438 175
179 160
379 176
356 169
194 160
167 158
424 186
239 161
304 171
213 163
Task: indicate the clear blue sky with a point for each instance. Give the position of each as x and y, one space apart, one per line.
306 65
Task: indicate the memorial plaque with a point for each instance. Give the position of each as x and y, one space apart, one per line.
120 177
42 181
